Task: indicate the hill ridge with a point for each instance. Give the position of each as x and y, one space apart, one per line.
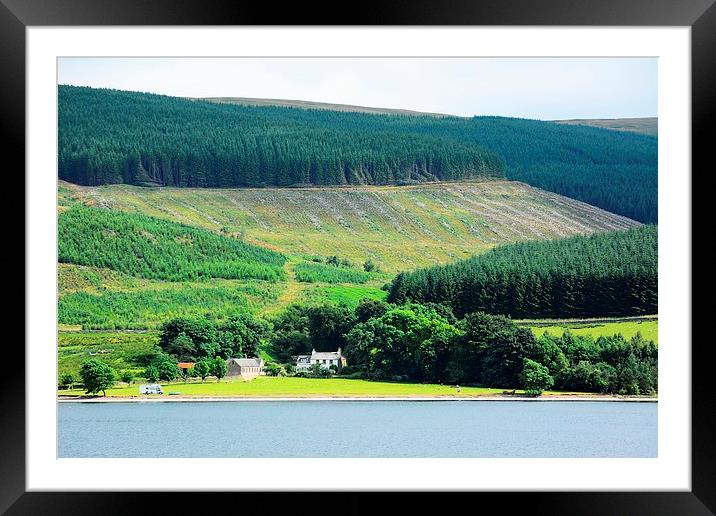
328 106
614 123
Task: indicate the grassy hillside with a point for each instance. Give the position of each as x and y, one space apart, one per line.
124 270
122 351
649 126
398 228
647 327
93 298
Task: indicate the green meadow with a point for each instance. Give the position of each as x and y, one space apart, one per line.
93 298
299 387
128 351
647 327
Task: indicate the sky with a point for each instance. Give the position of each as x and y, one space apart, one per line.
538 88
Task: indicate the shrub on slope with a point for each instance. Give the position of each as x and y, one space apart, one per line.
316 272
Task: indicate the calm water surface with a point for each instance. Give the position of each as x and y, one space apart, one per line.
358 429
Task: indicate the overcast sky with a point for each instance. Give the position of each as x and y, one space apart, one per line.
542 88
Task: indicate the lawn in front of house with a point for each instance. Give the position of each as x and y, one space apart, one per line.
265 386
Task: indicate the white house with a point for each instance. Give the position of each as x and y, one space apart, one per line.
324 358
244 367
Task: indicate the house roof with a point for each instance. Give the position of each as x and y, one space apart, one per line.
185 365
247 362
325 355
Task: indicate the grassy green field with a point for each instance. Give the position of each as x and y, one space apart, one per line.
348 295
298 387
596 328
93 298
128 351
398 228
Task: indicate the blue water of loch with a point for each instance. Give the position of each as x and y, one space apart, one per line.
358 429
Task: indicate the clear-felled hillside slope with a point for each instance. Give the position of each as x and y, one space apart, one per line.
649 126
398 228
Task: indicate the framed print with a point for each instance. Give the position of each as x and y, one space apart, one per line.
425 250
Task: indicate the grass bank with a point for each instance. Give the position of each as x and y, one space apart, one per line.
648 327
277 387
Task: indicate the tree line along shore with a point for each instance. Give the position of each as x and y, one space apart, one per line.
401 344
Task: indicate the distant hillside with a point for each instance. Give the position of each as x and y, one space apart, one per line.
108 136
397 227
607 274
648 126
308 104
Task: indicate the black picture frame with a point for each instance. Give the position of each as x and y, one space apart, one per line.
700 15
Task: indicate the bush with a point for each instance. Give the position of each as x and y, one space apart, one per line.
67 380
317 371
350 370
274 369
168 370
97 376
202 369
370 308
357 375
369 266
535 377
218 368
151 373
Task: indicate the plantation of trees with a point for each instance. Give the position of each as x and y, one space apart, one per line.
109 136
614 170
150 307
152 248
308 272
605 274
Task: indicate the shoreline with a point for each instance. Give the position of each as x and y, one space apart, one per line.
203 399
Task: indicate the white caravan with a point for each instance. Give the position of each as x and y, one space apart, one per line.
152 388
